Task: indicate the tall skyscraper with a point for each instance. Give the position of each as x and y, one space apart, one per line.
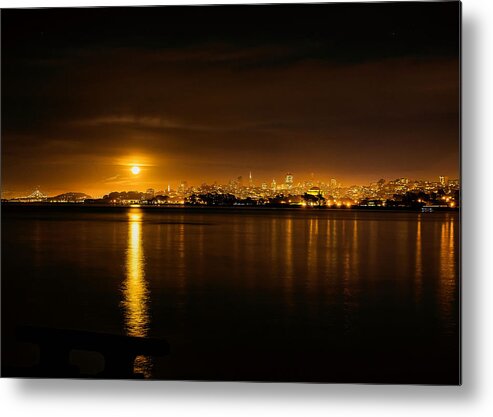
289 180
183 186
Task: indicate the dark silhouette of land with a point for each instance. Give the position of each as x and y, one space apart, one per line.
55 345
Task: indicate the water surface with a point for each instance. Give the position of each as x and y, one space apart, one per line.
244 294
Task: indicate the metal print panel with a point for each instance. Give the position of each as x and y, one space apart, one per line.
255 193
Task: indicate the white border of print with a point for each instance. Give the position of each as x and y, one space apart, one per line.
132 398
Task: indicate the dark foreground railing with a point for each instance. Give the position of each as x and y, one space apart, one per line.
119 352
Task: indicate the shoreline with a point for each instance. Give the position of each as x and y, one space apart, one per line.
220 207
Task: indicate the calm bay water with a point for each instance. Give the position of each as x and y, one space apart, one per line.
243 294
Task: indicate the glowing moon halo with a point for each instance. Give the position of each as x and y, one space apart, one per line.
135 170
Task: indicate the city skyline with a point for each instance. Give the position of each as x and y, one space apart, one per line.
376 96
247 182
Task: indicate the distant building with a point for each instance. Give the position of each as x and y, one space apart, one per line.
289 180
183 187
315 191
150 193
453 183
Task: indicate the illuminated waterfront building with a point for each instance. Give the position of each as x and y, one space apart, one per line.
315 191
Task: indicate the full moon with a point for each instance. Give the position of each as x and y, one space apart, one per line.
135 170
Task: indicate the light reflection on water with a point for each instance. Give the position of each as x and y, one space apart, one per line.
135 290
269 280
289 263
418 284
447 283
319 264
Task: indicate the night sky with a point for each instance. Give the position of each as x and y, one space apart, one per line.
355 92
